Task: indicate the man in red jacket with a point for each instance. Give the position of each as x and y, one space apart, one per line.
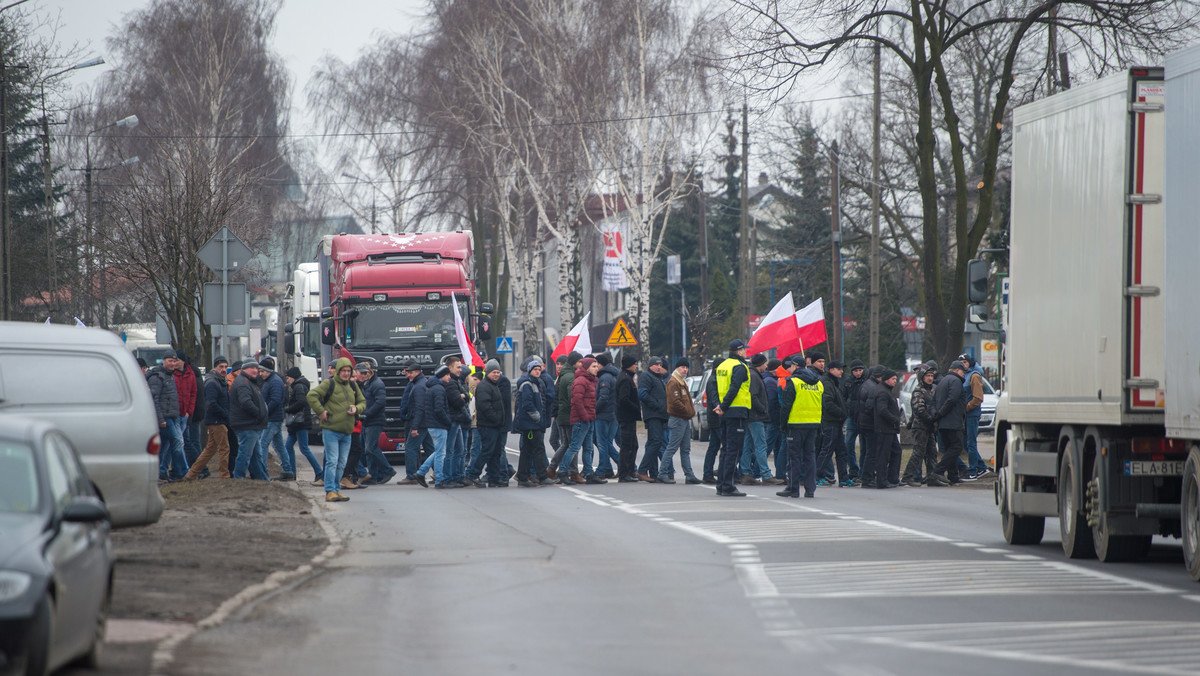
583 421
185 386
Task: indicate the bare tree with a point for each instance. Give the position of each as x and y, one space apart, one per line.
210 97
656 79
926 40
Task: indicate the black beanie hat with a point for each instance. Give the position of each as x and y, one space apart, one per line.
573 357
857 364
293 372
758 359
627 361
683 361
604 358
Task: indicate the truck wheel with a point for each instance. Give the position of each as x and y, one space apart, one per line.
1072 526
1018 530
1113 548
1189 513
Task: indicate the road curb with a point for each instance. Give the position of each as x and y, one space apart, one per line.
164 652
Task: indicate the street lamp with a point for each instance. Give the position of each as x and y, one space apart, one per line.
131 121
373 189
51 259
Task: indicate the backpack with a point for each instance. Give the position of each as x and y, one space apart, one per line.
329 393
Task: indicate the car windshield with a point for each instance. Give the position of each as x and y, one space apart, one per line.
421 324
18 478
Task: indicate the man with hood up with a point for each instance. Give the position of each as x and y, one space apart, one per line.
336 402
866 425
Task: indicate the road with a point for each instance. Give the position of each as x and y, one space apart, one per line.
654 579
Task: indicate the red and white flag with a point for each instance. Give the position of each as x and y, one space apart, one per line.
579 339
810 329
464 343
777 328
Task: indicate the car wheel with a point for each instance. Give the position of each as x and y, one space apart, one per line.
91 659
41 634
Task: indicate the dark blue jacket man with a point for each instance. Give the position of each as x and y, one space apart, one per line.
274 393
412 405
652 392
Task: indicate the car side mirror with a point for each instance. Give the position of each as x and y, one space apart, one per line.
326 312
85 510
485 329
486 308
328 332
289 342
977 280
977 314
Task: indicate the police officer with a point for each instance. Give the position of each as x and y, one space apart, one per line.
801 414
733 393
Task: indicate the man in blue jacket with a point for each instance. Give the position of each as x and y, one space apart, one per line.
216 420
411 403
606 417
529 421
274 393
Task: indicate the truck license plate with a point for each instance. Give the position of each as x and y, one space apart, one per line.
1154 468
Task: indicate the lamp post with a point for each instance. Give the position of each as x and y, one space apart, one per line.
373 190
89 294
51 259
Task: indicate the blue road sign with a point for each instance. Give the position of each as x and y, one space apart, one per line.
504 345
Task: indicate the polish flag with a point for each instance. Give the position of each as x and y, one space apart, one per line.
777 328
810 329
578 340
464 343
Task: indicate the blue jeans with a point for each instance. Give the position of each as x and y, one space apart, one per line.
473 445
170 455
754 452
191 440
581 437
251 456
272 437
975 463
851 454
377 465
337 450
454 465
436 461
679 439
608 454
655 429
301 435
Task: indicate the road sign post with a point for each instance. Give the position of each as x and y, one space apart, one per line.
224 253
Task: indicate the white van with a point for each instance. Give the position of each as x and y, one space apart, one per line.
86 383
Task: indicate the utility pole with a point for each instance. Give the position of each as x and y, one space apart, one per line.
748 275
874 350
700 197
5 256
51 263
1052 53
835 209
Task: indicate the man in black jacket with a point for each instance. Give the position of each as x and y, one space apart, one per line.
171 460
458 397
887 432
866 424
652 392
833 416
950 411
714 430
248 418
216 422
924 428
733 390
301 419
412 404
850 388
754 467
629 412
373 418
493 417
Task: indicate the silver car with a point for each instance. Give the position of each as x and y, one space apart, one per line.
88 385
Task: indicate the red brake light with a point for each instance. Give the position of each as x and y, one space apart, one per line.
153 446
704 398
1158 447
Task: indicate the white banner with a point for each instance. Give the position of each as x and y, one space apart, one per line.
615 236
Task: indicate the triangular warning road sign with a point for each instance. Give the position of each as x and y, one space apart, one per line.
621 336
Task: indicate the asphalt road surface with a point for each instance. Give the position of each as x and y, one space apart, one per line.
656 579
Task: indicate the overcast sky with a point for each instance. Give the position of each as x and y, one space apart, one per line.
305 31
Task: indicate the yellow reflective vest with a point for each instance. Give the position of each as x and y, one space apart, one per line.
725 376
806 408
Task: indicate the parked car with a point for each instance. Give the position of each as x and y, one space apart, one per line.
86 383
987 418
699 424
56 560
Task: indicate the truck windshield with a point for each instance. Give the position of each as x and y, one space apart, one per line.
420 324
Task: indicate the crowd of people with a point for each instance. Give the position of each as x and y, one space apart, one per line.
822 425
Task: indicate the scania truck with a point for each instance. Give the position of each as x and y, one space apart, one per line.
390 300
1100 416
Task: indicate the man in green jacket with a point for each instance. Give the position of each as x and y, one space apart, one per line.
562 389
336 403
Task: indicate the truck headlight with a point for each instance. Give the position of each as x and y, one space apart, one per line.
13 584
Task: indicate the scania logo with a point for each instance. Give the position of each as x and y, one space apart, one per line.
405 358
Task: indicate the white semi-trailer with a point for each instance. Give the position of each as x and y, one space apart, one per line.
1098 421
